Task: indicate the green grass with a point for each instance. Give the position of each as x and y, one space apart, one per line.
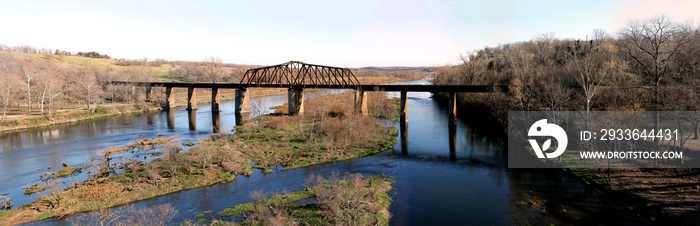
34 189
373 190
66 171
249 208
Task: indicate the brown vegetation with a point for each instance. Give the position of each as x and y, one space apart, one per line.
140 143
347 200
652 65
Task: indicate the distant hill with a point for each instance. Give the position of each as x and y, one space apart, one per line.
423 69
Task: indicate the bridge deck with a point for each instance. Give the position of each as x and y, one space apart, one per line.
408 88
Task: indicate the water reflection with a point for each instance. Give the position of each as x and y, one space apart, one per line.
453 140
171 119
192 119
403 132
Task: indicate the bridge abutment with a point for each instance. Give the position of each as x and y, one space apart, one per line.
215 100
191 99
360 102
295 100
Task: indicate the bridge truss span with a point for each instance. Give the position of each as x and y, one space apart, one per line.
299 73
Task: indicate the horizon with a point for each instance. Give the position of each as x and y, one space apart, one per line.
354 35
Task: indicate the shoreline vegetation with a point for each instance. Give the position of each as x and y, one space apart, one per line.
347 200
650 65
327 132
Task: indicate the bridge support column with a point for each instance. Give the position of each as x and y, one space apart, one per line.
215 100
148 93
169 98
360 102
453 109
191 99
295 100
242 101
404 107
452 118
216 121
132 95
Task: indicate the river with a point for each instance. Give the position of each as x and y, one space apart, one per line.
472 186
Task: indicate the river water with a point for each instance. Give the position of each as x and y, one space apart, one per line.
471 186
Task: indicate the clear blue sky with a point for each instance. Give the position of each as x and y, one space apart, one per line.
331 32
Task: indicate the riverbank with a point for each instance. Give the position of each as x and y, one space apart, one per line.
670 196
65 116
262 143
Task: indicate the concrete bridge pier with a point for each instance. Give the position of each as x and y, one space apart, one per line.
132 95
404 107
360 102
452 123
215 100
453 109
242 101
148 93
241 117
216 121
295 100
169 98
191 99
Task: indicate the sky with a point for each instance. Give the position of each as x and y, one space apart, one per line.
328 32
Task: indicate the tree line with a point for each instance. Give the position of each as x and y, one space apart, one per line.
651 64
45 85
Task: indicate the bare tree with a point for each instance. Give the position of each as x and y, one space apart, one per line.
600 35
213 69
85 86
651 44
29 71
592 64
188 72
471 69
9 89
54 89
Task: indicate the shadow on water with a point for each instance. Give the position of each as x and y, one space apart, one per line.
443 175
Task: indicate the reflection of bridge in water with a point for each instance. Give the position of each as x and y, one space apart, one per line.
297 76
